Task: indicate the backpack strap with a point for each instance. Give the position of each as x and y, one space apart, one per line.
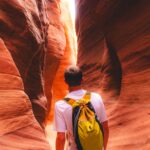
70 101
86 98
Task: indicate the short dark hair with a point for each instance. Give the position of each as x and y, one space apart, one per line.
73 75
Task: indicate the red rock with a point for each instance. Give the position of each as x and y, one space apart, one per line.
25 38
118 69
30 137
113 44
23 31
61 51
17 122
37 38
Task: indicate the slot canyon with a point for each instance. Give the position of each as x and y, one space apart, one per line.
109 40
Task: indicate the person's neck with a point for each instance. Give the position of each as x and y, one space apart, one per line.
75 88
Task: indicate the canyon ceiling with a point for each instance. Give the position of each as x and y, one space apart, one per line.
37 42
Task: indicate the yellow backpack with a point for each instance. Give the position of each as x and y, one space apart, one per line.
87 130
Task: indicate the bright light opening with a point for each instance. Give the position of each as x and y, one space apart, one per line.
72 9
68 12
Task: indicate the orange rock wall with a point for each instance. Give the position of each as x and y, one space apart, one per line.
113 52
25 38
40 40
61 51
23 34
36 45
55 47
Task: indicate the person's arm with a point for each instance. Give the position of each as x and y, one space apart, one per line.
60 140
59 126
106 133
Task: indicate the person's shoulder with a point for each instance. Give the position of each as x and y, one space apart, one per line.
96 96
60 102
61 105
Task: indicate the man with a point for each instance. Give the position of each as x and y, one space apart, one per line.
63 111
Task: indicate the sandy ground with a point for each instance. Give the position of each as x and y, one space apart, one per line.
51 135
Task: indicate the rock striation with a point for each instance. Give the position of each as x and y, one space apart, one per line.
23 33
36 44
17 122
61 51
25 38
113 52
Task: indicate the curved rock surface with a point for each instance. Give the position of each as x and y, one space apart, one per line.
23 32
56 46
17 122
61 51
25 38
113 52
37 43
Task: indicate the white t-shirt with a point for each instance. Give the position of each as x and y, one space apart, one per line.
63 114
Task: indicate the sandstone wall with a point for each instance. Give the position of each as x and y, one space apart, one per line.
113 52
23 33
37 43
61 51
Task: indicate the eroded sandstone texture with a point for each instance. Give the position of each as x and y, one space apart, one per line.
114 52
113 43
23 32
36 44
61 51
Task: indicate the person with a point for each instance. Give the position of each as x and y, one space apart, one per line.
63 111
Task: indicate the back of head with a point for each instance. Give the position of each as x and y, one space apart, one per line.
73 76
